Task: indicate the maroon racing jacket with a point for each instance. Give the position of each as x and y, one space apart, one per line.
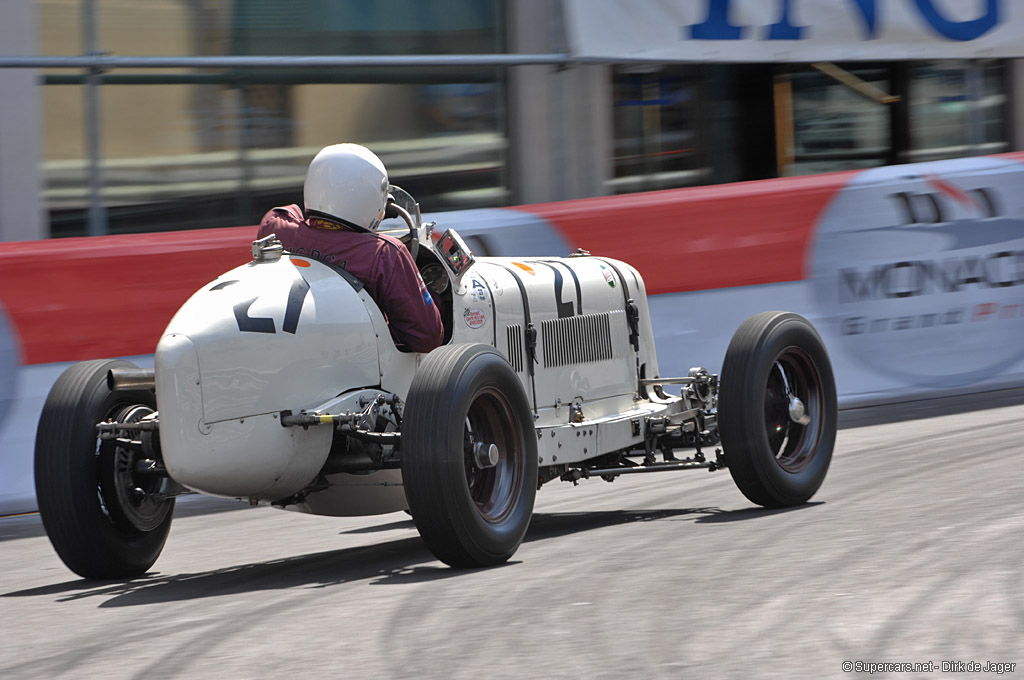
381 262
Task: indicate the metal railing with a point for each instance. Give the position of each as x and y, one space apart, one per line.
104 62
96 63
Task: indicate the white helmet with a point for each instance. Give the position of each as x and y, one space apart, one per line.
347 183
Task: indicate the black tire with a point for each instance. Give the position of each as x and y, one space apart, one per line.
84 484
775 460
469 516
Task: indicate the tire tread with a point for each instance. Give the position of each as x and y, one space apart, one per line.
437 505
66 483
741 425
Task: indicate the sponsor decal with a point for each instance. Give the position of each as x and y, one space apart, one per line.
325 225
921 273
608 276
718 24
478 291
793 30
475 318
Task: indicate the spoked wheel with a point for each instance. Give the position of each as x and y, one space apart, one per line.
777 409
792 394
469 456
104 517
134 499
495 480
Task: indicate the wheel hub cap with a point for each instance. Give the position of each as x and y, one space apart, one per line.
485 455
798 412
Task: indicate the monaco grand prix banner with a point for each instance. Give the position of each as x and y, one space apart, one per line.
918 271
795 30
913 275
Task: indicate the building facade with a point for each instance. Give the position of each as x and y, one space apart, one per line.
660 95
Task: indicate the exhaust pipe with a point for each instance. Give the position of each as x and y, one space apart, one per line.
124 379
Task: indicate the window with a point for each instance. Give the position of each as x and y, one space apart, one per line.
946 109
835 127
657 128
957 108
189 149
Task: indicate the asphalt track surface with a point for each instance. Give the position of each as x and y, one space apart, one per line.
911 552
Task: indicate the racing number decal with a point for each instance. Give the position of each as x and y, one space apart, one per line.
565 309
296 298
248 324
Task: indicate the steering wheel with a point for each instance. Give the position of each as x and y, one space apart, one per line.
411 240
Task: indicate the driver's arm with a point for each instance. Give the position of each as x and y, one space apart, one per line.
403 297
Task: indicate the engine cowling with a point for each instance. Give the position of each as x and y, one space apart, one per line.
263 338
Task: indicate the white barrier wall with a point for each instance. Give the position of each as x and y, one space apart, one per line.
918 272
913 275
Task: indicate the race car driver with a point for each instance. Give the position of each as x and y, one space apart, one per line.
346 193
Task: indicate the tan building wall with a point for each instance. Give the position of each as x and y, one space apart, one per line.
136 120
171 120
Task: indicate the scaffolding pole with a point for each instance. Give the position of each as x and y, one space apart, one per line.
93 124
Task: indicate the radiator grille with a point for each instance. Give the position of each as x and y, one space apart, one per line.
576 339
514 335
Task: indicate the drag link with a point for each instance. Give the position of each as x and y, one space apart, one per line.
656 467
108 430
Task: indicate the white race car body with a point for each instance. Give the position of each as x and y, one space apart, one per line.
292 334
279 382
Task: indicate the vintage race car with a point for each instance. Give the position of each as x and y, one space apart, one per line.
279 383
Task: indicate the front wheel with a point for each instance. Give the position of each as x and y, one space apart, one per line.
103 519
469 456
777 410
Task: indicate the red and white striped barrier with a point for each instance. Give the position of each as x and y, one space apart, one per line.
913 275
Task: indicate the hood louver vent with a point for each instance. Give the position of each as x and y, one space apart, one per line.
576 339
514 335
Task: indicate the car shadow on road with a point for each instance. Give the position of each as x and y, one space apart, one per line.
552 525
404 557
399 561
717 516
406 523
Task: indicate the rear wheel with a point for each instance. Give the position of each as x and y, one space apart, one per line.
777 409
102 517
469 456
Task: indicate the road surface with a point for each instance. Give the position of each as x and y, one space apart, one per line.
910 552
